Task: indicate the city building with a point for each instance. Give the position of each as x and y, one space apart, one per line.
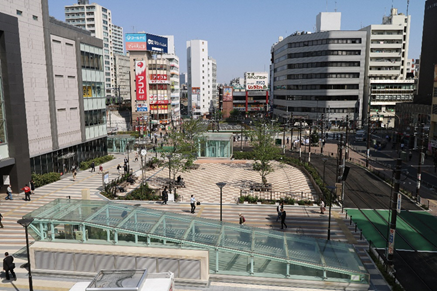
117 40
319 73
183 78
174 79
150 68
387 79
122 76
202 78
428 56
52 97
98 20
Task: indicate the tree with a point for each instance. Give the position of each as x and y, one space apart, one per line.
264 149
185 144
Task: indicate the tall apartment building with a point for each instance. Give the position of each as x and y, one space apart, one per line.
319 73
175 90
386 67
98 20
52 97
428 56
122 76
117 39
202 78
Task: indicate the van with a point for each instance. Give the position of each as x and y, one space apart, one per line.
360 135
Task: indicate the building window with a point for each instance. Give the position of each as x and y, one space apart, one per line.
35 17
19 12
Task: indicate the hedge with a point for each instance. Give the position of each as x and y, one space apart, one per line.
44 179
97 161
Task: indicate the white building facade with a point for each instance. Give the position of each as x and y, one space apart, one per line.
98 20
202 82
387 82
122 76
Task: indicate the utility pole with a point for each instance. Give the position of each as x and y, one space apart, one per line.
241 136
368 142
291 138
421 154
340 167
323 137
309 147
283 139
393 205
346 151
300 139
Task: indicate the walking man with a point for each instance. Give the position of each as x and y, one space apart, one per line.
193 203
322 207
164 195
283 216
279 210
9 266
9 192
136 157
32 186
1 224
74 174
118 169
242 219
27 193
93 167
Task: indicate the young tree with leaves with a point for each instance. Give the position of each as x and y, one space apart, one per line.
264 148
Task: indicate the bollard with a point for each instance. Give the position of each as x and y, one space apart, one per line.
361 234
356 226
345 215
350 222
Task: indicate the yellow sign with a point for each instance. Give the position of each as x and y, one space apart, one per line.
87 92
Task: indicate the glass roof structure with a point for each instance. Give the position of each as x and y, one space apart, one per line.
233 249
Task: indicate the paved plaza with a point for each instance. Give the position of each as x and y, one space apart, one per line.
305 220
238 175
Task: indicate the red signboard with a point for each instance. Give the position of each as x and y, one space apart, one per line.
158 79
254 87
141 83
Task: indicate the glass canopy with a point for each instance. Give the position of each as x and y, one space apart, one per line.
233 249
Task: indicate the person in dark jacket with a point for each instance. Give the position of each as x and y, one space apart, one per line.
164 195
283 216
8 266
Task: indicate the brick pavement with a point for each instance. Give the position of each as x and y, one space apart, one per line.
237 175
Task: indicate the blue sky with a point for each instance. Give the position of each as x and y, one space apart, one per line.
240 33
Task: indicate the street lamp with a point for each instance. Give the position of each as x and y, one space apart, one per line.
221 185
324 166
169 172
26 222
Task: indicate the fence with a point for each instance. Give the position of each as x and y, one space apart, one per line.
277 195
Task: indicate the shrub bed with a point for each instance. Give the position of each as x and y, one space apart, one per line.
97 161
44 179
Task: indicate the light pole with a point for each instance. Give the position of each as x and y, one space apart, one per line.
26 222
324 166
169 172
221 185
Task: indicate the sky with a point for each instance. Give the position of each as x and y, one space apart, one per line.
240 33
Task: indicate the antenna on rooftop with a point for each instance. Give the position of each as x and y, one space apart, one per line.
391 4
335 6
326 5
408 4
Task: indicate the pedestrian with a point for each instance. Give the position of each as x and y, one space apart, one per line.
9 192
160 134
193 203
74 174
32 186
322 207
125 168
126 160
242 219
100 169
156 140
1 224
278 210
283 216
164 195
288 140
118 169
154 149
93 167
410 155
9 266
27 193
136 157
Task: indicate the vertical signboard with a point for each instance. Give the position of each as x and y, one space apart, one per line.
227 94
195 98
140 78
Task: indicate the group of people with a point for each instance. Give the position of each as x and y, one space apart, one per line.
28 190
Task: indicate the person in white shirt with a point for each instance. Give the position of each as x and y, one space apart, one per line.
193 203
9 192
322 207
